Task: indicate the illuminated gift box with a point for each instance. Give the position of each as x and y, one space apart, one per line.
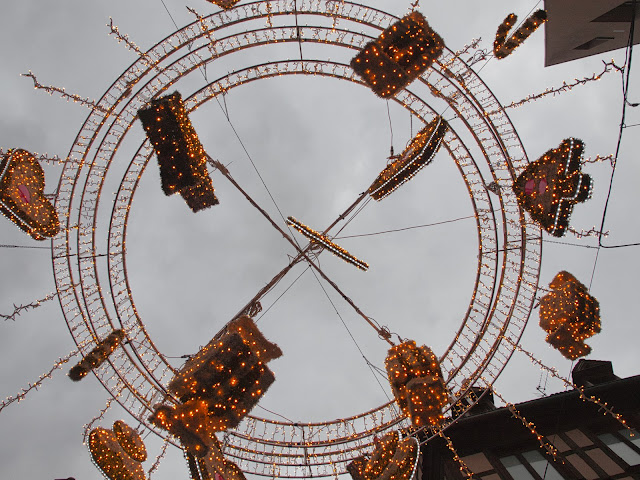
569 315
399 55
418 153
393 458
182 159
109 453
417 383
22 197
549 187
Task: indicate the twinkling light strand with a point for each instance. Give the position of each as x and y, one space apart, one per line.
34 386
464 469
593 232
159 458
583 396
598 158
205 29
130 44
50 89
42 158
18 309
89 426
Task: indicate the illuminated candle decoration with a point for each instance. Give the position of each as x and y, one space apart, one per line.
225 4
417 383
130 441
549 187
182 159
418 153
323 240
229 374
399 55
392 458
22 197
569 315
97 356
502 47
111 456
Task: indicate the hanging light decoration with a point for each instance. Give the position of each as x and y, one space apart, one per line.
549 187
399 55
224 4
323 240
97 356
569 315
503 47
417 383
415 156
182 159
22 197
393 458
112 452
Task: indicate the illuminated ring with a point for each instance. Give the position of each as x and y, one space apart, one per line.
509 245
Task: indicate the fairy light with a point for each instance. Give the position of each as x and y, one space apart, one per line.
583 396
182 159
50 89
592 232
415 156
392 457
464 469
549 187
19 309
503 47
41 158
399 55
159 457
215 464
205 29
224 4
111 456
323 240
97 356
569 315
35 385
89 426
22 197
130 441
417 383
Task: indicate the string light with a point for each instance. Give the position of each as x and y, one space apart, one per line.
97 356
592 232
464 469
549 187
224 4
112 457
569 315
22 197
50 89
182 159
417 383
323 240
399 55
415 156
18 309
503 47
159 458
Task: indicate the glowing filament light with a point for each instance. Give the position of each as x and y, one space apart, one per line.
111 452
418 153
503 47
97 356
392 458
323 240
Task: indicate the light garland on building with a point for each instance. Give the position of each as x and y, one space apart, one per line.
111 456
462 466
97 356
417 383
399 55
22 197
323 240
503 47
182 159
549 187
393 458
415 156
569 315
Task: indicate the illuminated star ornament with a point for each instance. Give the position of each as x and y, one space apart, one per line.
417 383
549 187
182 159
22 197
323 240
399 55
418 153
392 458
503 47
569 315
97 356
118 452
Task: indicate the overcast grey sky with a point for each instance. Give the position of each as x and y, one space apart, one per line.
318 143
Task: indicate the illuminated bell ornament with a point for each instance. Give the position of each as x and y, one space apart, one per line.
393 458
503 47
417 383
110 453
399 55
549 187
97 356
182 159
569 315
22 197
418 153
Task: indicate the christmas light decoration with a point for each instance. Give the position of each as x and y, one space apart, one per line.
50 89
417 383
393 458
22 197
216 467
323 240
418 153
503 47
130 441
182 159
224 4
97 356
549 187
399 55
112 457
569 315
